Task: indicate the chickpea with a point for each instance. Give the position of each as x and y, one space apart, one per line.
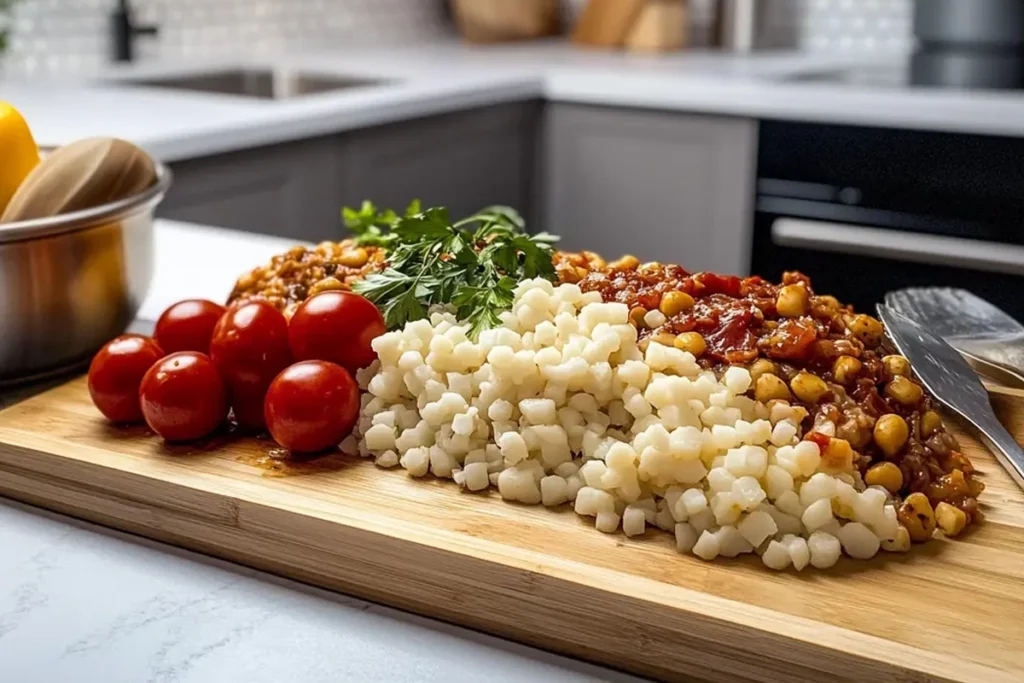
828 302
897 365
792 301
664 338
807 387
770 386
949 486
866 328
846 368
760 367
930 423
327 284
917 515
950 519
891 432
675 302
627 262
636 316
649 268
838 455
885 474
692 342
899 544
354 258
904 390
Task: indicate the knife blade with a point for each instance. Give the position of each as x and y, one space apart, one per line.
948 377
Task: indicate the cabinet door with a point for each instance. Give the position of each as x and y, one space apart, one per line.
464 160
288 190
663 186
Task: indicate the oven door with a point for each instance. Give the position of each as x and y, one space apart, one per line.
859 264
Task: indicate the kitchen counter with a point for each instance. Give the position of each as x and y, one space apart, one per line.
81 603
85 604
434 78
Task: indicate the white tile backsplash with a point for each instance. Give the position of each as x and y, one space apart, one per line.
73 36
816 25
846 25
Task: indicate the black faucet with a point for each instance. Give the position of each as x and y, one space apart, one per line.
124 29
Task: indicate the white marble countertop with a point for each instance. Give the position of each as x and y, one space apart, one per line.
85 604
81 603
432 78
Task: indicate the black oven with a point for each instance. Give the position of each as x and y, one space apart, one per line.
863 211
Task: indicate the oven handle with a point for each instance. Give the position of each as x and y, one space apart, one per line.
939 250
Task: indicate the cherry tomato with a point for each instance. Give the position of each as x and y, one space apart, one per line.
336 327
247 405
183 396
116 372
250 347
311 406
188 326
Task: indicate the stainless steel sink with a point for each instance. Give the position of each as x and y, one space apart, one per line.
259 83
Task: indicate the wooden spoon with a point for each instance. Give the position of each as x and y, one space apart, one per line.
80 176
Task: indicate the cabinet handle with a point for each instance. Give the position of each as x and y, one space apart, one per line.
939 250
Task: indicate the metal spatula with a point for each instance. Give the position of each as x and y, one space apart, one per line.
951 381
992 341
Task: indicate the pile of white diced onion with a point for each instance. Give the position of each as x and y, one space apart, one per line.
561 405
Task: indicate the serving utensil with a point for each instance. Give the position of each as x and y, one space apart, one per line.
991 340
949 378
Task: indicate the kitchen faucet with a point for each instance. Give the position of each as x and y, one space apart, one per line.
124 30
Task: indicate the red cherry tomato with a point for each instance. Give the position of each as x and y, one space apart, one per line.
183 397
336 327
250 347
311 406
247 405
116 373
188 326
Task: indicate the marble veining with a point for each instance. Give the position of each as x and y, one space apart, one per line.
79 603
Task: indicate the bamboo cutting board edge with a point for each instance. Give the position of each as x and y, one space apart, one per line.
650 627
267 551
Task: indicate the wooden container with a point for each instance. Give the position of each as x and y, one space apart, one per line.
661 27
606 23
495 21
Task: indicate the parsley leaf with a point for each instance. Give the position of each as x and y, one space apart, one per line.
473 264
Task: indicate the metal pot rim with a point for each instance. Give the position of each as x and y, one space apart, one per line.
86 218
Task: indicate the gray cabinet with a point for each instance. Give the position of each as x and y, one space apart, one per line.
289 190
464 160
663 186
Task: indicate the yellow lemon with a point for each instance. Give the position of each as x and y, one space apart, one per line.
18 152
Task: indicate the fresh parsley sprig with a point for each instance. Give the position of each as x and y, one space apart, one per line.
472 265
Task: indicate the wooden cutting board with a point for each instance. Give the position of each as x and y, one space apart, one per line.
950 610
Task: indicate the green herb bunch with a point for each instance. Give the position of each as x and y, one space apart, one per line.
473 264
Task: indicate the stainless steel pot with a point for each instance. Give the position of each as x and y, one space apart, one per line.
970 23
70 283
